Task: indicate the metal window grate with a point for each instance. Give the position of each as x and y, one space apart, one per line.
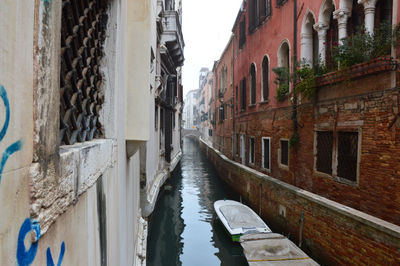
347 155
83 31
324 152
284 152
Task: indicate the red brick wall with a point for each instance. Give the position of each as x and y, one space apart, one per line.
332 234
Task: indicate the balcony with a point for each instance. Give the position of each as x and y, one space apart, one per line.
172 43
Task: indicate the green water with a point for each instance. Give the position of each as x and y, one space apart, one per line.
183 229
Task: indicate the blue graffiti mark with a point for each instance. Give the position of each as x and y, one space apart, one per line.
3 95
17 146
50 261
26 257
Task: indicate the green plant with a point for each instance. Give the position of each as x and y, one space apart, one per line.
282 80
306 81
362 46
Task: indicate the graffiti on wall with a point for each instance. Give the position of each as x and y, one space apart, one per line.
16 146
24 257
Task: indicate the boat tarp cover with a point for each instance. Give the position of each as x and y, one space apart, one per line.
241 217
273 249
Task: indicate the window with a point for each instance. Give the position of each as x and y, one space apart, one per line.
81 95
156 118
356 21
251 151
283 63
383 13
265 79
210 132
324 152
259 10
337 154
284 152
243 94
242 33
253 84
280 3
237 99
222 113
309 41
266 153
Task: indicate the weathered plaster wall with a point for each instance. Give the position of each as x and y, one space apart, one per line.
16 125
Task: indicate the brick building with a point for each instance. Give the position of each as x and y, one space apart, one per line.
345 139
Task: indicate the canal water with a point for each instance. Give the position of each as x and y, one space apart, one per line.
183 229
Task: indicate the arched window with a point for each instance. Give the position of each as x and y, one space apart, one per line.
265 79
327 29
284 64
252 84
283 55
309 41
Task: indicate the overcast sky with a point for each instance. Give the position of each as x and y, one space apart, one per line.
207 26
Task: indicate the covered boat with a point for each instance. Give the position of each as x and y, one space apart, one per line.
239 219
273 249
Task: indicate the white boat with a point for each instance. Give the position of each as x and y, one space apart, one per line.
239 219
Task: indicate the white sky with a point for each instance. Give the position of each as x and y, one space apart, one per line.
207 26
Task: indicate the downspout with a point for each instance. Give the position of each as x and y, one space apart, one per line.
393 55
294 115
233 101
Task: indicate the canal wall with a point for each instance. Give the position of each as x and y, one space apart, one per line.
331 233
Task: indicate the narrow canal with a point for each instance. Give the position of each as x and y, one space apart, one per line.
183 229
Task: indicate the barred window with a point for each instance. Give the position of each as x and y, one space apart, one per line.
324 152
344 164
83 31
347 155
284 152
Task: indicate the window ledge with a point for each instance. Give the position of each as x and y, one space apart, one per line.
86 162
264 102
266 170
252 104
336 178
80 165
283 166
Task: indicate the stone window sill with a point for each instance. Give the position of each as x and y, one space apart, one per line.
84 163
79 167
336 178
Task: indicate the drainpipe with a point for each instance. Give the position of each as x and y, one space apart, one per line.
294 115
233 97
393 80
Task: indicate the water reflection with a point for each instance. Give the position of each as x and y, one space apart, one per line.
183 229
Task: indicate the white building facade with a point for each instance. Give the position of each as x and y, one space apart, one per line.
79 134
